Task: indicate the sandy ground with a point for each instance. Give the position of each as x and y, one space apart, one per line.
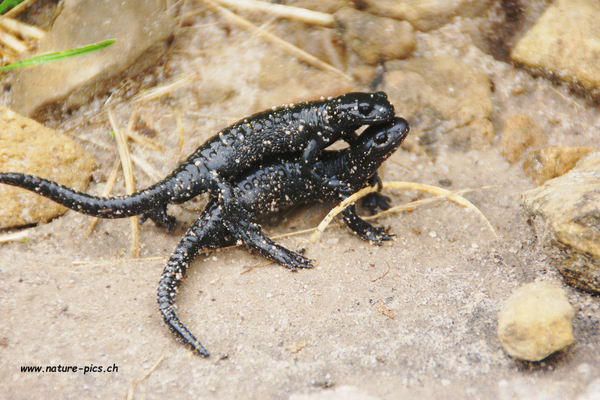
416 318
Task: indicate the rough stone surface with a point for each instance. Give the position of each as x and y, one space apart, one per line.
568 221
375 39
553 161
520 133
426 14
141 29
564 43
442 98
536 321
26 146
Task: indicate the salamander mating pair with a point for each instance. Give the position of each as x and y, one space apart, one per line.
266 161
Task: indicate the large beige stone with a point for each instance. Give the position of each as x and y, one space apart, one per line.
375 39
141 29
536 321
443 99
565 42
29 147
566 213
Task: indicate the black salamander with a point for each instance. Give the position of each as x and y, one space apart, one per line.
268 187
304 127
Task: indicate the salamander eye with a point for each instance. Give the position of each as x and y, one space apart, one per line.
381 137
365 108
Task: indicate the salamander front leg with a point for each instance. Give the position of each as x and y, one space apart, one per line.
373 202
364 229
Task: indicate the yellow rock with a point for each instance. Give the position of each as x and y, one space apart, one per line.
568 223
520 133
29 147
554 161
536 321
565 42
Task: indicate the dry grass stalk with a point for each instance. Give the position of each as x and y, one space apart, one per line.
21 28
293 50
157 92
11 237
441 195
135 382
12 42
147 168
143 141
129 184
283 11
110 183
396 185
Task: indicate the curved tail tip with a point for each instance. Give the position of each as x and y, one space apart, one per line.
201 350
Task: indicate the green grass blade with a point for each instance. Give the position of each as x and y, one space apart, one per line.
61 55
9 3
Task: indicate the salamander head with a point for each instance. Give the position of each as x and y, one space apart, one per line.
353 110
373 147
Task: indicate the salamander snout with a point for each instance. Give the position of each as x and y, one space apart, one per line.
385 139
365 108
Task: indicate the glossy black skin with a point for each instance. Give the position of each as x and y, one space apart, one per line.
272 185
304 127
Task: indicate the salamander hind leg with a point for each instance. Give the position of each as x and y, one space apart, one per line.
237 223
253 236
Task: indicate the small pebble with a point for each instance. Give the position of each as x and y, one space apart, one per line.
536 321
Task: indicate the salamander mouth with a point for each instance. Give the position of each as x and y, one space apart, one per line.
379 115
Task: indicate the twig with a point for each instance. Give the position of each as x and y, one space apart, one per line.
293 50
256 266
11 237
147 167
157 92
22 28
12 42
383 276
283 11
110 183
395 185
136 381
129 184
411 206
